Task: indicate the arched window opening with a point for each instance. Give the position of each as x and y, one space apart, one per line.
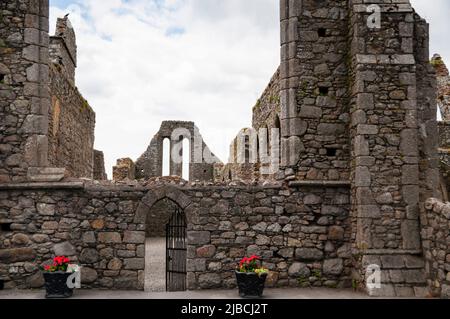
166 157
247 149
186 151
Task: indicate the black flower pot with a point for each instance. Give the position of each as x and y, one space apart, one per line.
56 285
251 285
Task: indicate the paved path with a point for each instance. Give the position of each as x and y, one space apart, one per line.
288 293
155 265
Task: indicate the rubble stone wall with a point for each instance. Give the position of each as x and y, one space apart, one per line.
71 131
303 235
436 245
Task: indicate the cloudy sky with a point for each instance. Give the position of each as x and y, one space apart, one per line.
144 61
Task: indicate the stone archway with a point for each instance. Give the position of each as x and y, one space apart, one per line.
153 205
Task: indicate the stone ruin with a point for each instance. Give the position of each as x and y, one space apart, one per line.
150 163
361 184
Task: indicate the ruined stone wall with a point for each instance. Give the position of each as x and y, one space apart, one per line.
99 166
267 110
63 48
436 245
24 97
303 235
71 131
202 160
443 86
124 170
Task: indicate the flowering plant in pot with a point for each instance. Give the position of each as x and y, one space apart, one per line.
251 277
57 276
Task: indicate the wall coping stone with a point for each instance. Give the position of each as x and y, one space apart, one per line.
42 185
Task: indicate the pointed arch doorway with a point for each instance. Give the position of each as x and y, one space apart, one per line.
163 212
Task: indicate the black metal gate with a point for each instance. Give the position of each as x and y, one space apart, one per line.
176 252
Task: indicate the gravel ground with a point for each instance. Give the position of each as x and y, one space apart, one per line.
155 265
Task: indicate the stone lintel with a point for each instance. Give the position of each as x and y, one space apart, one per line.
396 7
392 252
393 59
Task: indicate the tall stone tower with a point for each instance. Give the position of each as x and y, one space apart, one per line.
24 91
358 105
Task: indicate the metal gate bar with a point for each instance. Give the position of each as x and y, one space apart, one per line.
176 252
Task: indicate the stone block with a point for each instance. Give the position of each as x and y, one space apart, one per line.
411 234
64 249
134 263
199 237
299 270
333 267
134 237
10 256
109 237
308 254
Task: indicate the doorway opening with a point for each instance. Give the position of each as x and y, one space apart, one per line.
165 248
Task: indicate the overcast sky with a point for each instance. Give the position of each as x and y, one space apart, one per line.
144 61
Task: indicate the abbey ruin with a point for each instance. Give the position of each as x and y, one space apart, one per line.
361 174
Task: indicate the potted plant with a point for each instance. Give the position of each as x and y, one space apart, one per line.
57 278
251 277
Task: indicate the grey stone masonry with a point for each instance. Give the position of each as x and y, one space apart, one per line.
24 94
150 164
436 246
103 227
388 184
63 48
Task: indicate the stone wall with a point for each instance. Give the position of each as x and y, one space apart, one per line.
99 166
387 183
266 112
302 239
93 226
24 97
71 127
63 48
443 86
124 170
436 245
303 235
314 89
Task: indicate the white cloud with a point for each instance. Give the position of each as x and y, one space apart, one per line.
144 61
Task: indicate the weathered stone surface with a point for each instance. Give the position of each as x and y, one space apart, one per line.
134 237
89 256
210 280
88 275
207 251
115 264
199 237
299 270
308 254
109 237
336 233
134 263
64 249
333 266
14 255
36 280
